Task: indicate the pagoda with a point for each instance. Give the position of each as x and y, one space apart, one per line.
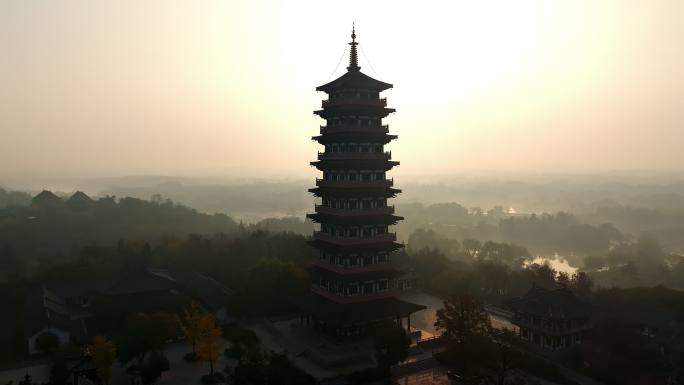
355 282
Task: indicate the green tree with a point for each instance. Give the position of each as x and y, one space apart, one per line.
391 343
463 320
471 247
503 357
142 334
582 284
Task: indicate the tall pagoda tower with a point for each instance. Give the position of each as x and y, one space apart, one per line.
355 283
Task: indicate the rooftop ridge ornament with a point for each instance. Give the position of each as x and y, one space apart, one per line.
353 56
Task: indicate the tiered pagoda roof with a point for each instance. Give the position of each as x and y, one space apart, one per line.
357 283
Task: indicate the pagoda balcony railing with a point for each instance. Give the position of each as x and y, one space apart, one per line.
556 330
354 298
369 102
341 241
355 155
340 269
354 128
354 212
354 184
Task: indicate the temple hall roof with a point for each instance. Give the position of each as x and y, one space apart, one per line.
554 303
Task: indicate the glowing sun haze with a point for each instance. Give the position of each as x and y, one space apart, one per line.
208 88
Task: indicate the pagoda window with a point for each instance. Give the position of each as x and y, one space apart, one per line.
353 232
366 204
353 204
353 289
367 233
343 147
382 258
382 229
367 260
379 175
368 288
382 285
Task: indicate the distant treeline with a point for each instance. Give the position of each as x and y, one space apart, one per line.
565 233
545 233
49 228
631 264
14 198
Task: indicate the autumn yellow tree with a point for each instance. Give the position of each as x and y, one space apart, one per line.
103 353
210 340
190 325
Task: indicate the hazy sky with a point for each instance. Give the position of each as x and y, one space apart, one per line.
208 88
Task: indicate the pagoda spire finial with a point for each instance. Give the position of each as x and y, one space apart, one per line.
353 56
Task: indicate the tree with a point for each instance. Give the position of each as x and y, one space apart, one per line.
210 341
471 247
463 320
190 325
582 284
391 344
144 333
563 279
505 357
542 275
103 353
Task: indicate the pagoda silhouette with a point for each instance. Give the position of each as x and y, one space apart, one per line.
355 281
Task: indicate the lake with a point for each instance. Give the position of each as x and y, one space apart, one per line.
556 262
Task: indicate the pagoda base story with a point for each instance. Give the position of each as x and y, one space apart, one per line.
346 321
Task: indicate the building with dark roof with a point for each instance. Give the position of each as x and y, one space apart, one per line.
79 201
46 200
63 307
356 283
212 295
552 319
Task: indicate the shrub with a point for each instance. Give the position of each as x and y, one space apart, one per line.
209 379
153 368
190 357
239 335
235 351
